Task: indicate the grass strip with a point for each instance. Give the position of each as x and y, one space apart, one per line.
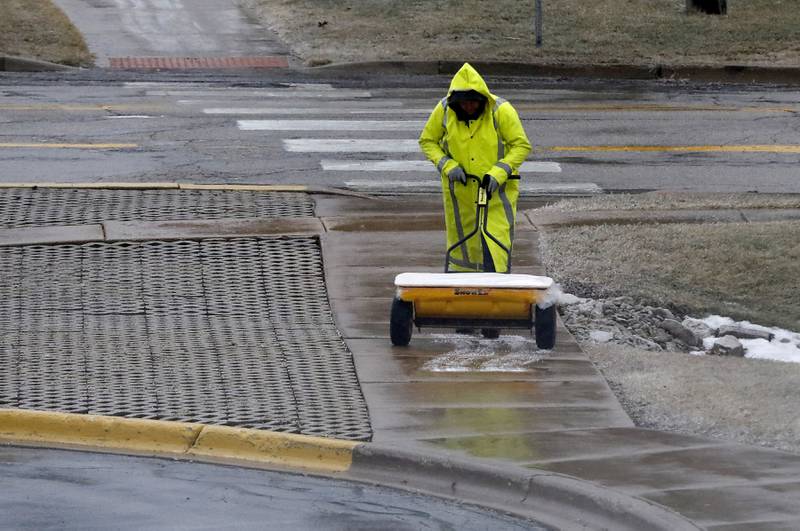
750 401
644 32
37 29
747 271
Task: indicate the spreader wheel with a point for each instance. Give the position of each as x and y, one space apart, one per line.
490 333
544 326
401 322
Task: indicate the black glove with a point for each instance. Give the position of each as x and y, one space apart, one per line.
490 184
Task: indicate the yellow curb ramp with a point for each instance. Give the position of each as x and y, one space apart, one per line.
181 440
100 432
281 449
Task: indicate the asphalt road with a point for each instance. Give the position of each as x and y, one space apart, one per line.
328 132
58 489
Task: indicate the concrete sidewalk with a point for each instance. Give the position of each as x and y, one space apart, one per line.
558 415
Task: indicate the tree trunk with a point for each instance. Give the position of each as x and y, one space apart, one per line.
711 7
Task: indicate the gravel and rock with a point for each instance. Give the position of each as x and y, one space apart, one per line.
623 321
727 346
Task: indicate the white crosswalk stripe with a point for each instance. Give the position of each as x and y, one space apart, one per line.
420 165
330 125
350 113
297 111
350 145
263 93
433 185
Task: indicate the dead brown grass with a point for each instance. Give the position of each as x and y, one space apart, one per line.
37 29
741 270
646 32
668 200
750 401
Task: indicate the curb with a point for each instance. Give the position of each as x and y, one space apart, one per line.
644 217
705 73
556 500
737 74
174 439
192 186
10 63
165 186
553 499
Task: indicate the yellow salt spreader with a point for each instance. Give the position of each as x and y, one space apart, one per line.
488 301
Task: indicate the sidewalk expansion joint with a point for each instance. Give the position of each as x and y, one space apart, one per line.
721 485
630 453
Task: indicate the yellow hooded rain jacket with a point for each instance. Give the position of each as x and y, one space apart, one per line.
494 144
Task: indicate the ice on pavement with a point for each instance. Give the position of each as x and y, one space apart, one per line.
475 354
785 346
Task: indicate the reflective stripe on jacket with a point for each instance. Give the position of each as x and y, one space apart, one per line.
493 144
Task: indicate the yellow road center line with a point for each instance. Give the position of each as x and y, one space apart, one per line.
645 107
32 145
681 149
79 108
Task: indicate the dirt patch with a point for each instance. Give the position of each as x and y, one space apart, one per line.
37 29
643 32
750 401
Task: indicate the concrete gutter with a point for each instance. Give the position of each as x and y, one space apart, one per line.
705 73
10 63
553 499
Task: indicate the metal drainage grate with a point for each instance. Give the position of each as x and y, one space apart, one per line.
22 207
236 332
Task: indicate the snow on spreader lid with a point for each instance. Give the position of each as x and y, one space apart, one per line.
471 280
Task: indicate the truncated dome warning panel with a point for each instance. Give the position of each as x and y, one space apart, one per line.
25 207
236 332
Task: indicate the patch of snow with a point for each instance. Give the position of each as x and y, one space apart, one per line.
784 347
715 321
708 342
600 336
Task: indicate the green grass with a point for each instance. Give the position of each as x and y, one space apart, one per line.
741 270
575 31
37 29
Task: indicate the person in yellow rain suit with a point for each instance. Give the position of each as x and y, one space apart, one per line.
473 132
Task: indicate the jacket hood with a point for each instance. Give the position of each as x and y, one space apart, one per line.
467 78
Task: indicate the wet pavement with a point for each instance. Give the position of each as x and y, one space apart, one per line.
153 28
548 410
57 489
104 126
505 400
